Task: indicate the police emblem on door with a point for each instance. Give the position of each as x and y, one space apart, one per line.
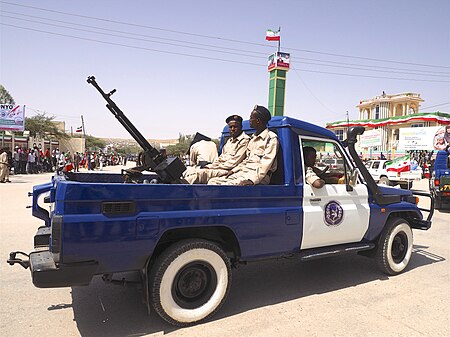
333 213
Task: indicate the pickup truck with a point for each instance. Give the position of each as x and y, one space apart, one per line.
440 179
377 168
183 240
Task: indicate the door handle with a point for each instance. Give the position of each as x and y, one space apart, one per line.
315 199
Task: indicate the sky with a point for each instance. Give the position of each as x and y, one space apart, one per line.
184 66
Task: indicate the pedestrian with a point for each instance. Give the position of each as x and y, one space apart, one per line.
4 166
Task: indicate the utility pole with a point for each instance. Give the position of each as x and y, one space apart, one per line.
84 134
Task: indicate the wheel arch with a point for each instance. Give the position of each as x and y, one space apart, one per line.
220 235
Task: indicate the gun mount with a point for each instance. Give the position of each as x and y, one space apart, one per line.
169 170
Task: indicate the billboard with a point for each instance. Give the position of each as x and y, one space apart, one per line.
424 138
12 117
279 60
370 138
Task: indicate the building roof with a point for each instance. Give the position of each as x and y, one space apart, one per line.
439 117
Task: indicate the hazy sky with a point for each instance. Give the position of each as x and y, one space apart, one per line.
184 66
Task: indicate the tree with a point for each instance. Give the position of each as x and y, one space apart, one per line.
5 96
94 143
44 126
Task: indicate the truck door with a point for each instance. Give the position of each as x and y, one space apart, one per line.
331 214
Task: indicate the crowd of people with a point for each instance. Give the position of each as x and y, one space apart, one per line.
37 160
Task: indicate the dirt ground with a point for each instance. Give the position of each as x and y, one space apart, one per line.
340 296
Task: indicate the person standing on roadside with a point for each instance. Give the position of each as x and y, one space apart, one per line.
4 167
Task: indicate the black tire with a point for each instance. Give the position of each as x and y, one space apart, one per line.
385 181
189 282
394 246
407 185
437 202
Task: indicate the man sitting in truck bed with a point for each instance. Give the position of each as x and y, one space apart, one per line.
233 153
260 161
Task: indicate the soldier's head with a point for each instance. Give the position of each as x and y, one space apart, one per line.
234 125
309 154
259 118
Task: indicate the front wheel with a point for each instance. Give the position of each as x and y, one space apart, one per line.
395 246
189 281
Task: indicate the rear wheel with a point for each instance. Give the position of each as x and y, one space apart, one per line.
395 246
189 281
437 202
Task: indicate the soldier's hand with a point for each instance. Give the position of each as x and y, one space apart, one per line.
247 182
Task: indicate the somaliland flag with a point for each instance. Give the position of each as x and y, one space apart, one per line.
400 164
79 129
272 36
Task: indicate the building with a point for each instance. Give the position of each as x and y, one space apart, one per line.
387 115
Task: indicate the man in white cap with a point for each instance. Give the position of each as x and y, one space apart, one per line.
260 161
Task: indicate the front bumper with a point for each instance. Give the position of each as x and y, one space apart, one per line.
48 274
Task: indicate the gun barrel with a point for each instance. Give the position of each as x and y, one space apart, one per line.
112 106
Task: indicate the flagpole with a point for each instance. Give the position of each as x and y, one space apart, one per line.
82 125
71 131
279 40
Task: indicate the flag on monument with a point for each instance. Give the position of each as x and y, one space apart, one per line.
79 129
272 35
400 164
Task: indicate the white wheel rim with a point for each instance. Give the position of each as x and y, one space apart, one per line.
398 267
191 315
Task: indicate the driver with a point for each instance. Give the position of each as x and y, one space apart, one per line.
313 173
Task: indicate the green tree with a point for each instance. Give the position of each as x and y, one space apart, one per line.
44 126
5 96
94 143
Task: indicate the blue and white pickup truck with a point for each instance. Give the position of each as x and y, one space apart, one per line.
440 179
182 240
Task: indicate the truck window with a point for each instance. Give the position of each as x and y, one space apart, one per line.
329 156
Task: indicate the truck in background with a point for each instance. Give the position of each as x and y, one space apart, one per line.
440 179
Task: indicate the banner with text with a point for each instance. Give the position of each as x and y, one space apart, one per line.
12 117
370 138
417 138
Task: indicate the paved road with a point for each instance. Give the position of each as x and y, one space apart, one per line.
340 296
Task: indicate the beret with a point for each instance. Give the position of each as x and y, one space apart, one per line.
197 137
234 118
263 113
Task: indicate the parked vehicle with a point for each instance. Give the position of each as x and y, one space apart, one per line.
440 179
377 168
183 240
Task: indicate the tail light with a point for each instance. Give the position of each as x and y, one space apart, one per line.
436 182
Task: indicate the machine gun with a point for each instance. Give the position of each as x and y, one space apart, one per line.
169 170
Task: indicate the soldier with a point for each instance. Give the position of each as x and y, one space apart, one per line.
202 151
233 152
260 161
4 166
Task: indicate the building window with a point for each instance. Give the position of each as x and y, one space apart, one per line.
339 134
377 112
418 125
